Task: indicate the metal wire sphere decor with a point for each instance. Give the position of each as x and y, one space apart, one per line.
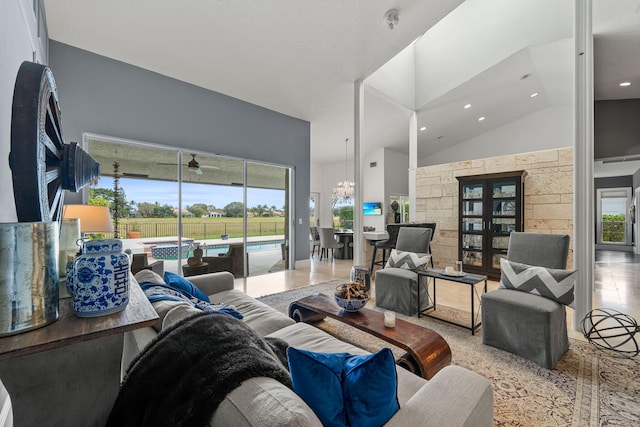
609 329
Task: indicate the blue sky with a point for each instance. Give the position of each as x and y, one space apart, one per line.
140 190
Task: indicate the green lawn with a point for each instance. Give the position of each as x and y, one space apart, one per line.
202 228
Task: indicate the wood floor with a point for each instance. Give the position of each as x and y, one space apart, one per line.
617 283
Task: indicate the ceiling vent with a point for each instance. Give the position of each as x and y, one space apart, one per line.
373 164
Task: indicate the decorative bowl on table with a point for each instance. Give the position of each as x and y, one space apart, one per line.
351 296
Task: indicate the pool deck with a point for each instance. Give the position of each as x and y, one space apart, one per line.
260 262
144 244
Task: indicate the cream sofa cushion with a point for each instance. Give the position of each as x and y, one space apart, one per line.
263 402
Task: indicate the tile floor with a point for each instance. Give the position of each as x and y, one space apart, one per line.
617 283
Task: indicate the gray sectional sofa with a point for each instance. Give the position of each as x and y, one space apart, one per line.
453 397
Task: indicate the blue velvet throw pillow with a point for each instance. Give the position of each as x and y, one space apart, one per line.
178 282
346 390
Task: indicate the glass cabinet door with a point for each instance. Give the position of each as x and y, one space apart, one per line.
490 209
472 223
504 214
473 191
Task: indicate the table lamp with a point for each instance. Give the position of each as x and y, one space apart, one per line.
93 219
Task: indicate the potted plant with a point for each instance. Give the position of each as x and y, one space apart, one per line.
134 230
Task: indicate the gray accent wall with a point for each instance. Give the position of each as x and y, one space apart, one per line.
616 128
104 96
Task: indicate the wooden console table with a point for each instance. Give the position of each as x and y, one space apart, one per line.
427 351
70 329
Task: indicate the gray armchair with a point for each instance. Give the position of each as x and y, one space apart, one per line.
6 410
528 325
141 262
231 261
397 288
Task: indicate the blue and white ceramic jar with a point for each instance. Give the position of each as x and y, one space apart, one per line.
99 281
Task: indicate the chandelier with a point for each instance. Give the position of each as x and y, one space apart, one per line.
343 192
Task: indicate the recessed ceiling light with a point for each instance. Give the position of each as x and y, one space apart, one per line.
481 118
467 106
534 94
423 128
625 84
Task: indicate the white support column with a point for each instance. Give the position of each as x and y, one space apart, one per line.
583 217
358 161
413 163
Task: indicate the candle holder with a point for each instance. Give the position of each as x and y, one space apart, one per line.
389 319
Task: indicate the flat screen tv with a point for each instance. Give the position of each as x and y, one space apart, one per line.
372 208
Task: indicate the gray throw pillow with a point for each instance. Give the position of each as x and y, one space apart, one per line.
407 260
555 284
149 276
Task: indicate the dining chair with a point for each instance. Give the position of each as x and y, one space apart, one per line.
385 245
315 240
328 241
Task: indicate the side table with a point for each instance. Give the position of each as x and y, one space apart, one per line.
468 279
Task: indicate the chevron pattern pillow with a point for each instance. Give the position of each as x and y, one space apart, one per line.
550 283
408 260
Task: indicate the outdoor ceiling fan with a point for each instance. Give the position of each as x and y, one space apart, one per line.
193 165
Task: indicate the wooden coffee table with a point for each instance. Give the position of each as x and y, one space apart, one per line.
427 351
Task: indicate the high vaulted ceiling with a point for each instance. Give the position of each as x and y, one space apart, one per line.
297 57
301 57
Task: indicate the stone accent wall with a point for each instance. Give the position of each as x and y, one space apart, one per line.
548 196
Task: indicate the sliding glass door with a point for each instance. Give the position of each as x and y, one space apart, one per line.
213 209
235 210
267 218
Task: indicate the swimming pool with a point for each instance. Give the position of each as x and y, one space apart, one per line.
169 250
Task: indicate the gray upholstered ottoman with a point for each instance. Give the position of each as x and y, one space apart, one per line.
521 323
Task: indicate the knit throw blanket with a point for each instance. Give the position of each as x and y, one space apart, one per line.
181 377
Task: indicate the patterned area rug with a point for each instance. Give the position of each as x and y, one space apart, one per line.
589 387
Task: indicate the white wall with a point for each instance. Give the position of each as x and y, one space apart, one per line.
19 42
480 33
396 79
323 179
390 176
396 173
545 129
373 187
